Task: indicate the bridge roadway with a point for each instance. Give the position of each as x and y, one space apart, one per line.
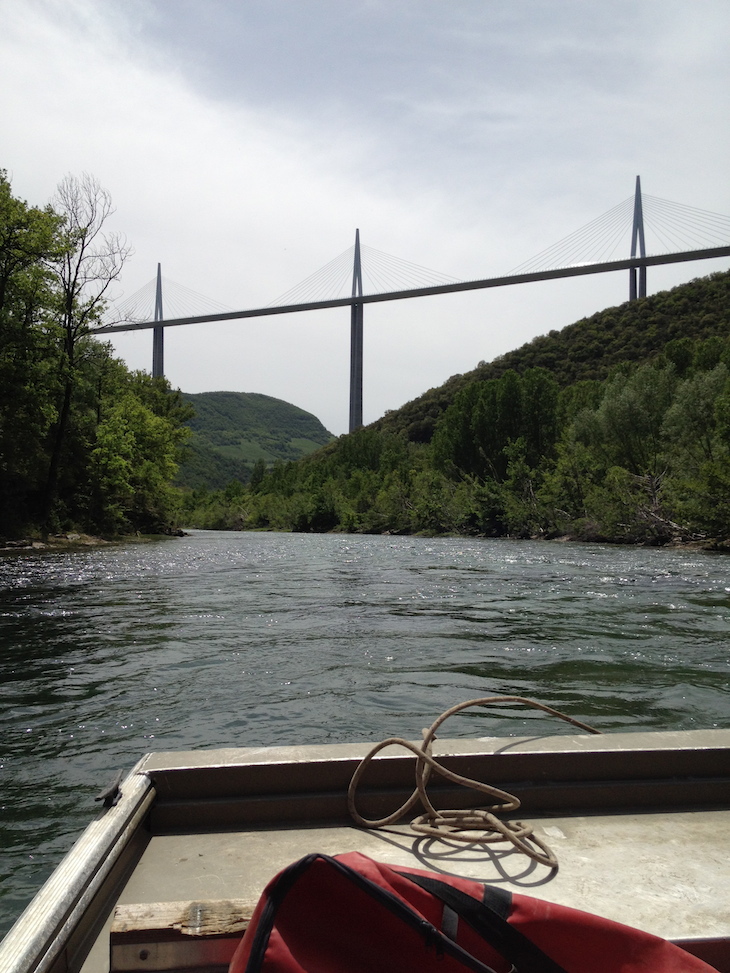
468 285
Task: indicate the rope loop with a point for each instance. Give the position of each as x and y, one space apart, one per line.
472 825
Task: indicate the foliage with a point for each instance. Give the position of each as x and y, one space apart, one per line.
590 349
29 242
84 443
486 417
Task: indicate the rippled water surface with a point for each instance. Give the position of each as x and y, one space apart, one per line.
221 639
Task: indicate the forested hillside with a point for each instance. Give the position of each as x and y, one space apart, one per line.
616 428
84 443
234 433
632 332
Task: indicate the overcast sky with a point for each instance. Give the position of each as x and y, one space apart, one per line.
243 141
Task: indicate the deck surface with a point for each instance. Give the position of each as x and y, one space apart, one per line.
667 873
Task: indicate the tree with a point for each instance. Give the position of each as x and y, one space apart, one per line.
257 474
29 242
84 442
91 261
454 448
626 429
539 414
700 458
134 441
690 424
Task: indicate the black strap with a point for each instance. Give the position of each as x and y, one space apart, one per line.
450 923
488 918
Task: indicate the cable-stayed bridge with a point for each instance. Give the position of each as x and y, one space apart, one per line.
362 275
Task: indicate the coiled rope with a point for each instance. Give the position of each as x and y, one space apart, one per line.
472 825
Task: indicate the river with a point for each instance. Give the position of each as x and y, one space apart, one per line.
224 639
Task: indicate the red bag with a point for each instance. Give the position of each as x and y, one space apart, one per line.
350 914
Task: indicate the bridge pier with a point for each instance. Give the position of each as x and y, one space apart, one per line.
158 334
356 341
637 275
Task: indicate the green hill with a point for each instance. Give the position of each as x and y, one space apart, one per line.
632 332
232 431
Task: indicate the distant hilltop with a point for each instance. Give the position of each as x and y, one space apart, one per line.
232 431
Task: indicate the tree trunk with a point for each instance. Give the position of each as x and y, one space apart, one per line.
54 464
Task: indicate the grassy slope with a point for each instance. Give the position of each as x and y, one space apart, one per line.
232 430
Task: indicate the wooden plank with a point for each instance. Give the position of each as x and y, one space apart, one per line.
190 936
211 917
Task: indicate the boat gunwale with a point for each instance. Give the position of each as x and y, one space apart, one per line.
676 741
36 941
233 787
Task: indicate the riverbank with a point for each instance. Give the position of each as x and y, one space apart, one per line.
54 542
73 540
717 545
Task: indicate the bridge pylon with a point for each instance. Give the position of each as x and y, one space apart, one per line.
356 341
637 235
158 334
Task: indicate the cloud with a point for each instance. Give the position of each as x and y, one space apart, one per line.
243 143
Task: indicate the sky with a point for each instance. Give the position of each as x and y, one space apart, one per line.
244 141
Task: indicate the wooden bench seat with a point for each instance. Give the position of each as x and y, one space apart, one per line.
195 937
